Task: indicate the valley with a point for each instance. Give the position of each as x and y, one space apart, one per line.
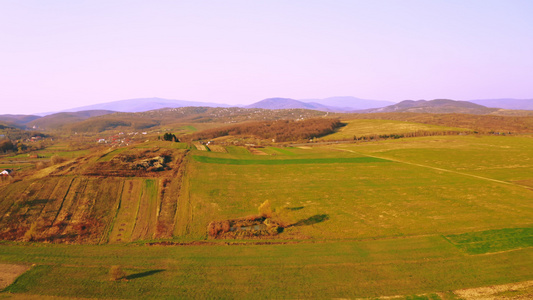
404 205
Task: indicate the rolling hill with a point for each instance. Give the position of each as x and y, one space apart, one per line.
143 104
348 103
332 104
434 106
59 120
18 121
287 103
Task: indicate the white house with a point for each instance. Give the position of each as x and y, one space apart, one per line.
6 172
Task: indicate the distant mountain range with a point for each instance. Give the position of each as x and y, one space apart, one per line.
349 103
332 104
286 103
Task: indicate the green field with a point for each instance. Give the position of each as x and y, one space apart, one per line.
418 216
341 269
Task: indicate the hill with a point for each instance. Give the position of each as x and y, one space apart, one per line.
58 120
434 106
287 103
18 121
149 119
348 103
332 104
143 104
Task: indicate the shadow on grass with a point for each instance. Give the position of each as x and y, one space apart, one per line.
143 274
312 220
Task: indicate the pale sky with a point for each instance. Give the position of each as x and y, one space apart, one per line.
61 54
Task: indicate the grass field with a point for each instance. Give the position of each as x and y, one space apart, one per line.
378 127
342 269
418 216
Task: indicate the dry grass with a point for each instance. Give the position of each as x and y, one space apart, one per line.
515 291
10 272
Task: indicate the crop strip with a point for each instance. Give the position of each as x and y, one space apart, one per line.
107 231
62 200
136 218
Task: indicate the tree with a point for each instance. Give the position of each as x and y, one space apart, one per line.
170 137
7 145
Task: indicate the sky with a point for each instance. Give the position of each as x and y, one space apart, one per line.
57 55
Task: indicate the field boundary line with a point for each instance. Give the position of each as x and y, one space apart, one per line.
437 169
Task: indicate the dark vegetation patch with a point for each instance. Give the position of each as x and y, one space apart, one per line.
133 162
493 240
230 161
279 131
248 227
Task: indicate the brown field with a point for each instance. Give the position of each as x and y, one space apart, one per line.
256 151
54 206
124 222
145 223
217 148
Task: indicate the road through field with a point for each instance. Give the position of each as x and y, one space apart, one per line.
434 168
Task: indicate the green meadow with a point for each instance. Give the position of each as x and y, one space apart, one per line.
364 127
340 269
417 217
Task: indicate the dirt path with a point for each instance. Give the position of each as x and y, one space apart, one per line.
435 168
515 291
8 274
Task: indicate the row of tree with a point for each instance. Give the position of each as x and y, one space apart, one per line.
419 133
7 146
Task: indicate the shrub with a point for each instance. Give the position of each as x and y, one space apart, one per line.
56 159
31 234
40 165
116 273
265 210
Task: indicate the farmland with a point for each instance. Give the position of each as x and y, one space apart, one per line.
412 216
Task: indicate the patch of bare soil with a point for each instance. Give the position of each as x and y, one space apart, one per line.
256 151
527 182
511 291
8 273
